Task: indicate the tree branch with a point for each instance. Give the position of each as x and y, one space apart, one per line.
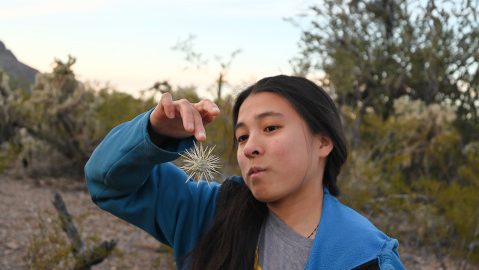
85 258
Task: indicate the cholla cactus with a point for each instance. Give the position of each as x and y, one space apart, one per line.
199 163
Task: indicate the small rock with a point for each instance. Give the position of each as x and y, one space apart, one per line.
12 245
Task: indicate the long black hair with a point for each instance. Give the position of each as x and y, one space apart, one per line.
231 241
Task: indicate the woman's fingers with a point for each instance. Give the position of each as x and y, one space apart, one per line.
207 109
180 118
207 106
200 133
187 114
192 121
168 105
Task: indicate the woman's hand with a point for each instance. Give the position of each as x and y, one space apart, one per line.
181 118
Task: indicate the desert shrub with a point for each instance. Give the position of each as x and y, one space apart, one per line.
415 178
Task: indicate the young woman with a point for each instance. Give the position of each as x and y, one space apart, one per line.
282 213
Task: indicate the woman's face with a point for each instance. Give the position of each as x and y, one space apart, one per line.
280 159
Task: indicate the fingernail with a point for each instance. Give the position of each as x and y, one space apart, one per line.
202 134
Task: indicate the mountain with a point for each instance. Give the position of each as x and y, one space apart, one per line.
20 74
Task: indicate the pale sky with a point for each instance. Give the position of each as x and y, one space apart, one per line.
128 44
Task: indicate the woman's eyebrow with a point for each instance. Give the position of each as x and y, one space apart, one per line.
259 117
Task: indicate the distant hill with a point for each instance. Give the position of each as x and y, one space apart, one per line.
20 74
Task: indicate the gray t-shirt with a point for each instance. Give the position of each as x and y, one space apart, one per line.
279 247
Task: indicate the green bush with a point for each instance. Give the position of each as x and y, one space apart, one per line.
416 180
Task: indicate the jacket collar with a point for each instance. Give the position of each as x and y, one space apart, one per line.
345 239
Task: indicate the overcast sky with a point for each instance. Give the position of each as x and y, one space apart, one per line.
129 43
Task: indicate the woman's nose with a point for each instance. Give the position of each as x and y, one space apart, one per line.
252 147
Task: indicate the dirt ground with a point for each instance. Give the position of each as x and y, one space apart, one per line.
22 200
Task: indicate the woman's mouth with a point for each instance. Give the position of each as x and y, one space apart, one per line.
255 171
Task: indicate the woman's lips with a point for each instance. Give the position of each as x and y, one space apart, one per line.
255 171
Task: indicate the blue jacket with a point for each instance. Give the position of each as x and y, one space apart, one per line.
132 178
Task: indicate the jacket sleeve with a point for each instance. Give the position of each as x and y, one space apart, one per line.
132 178
389 256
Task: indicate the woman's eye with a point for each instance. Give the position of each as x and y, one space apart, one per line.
271 128
242 138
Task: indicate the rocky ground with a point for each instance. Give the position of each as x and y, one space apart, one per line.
23 201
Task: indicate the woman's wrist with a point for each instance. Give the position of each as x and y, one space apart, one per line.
158 139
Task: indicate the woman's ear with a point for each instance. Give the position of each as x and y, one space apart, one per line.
325 145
